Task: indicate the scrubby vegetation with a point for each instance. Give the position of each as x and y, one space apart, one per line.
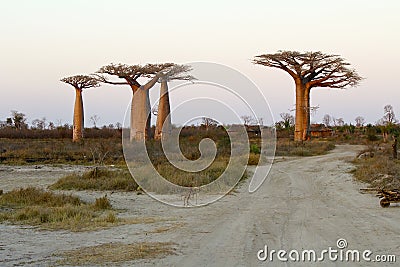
99 178
286 147
103 146
48 210
34 151
376 166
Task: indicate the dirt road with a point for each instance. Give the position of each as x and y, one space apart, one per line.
306 203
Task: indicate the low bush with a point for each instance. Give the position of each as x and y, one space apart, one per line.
99 178
379 169
253 159
286 147
48 210
102 203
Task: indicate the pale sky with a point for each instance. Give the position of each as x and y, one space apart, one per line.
43 41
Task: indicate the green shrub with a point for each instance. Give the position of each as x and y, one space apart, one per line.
254 148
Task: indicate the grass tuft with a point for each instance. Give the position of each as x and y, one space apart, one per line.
253 159
97 179
102 203
52 211
35 196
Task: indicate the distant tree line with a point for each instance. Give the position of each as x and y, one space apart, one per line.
386 126
17 126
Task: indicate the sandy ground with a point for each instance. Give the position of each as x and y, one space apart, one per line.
306 203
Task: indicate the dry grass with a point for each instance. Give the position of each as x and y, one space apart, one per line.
61 150
52 211
380 170
113 253
183 178
286 147
102 203
33 196
99 178
253 159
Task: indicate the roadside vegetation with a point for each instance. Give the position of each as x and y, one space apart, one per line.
48 210
99 178
103 146
377 167
287 147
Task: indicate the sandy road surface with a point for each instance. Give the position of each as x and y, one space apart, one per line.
306 203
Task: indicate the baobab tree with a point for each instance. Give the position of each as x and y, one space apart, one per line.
79 82
310 70
163 123
140 106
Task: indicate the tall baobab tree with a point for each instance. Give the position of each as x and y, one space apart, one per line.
310 70
79 82
163 123
140 106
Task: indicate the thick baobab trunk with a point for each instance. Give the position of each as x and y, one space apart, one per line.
307 110
140 115
163 125
140 111
302 125
77 133
300 114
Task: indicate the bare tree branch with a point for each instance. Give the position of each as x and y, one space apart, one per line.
103 79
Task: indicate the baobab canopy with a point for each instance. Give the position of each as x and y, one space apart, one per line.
315 68
309 70
81 81
140 106
130 73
